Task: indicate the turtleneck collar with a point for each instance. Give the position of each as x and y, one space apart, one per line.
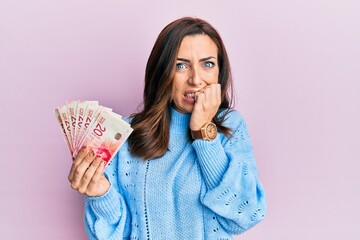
180 122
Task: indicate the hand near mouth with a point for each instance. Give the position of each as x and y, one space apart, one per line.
207 102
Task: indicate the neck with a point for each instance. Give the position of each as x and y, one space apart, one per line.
180 122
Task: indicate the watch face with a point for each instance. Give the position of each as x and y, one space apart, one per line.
211 131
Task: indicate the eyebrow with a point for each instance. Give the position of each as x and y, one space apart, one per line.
201 60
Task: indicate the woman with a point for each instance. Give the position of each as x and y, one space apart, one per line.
187 171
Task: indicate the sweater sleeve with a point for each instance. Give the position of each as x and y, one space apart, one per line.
233 190
106 216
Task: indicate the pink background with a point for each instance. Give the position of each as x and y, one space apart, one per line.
296 66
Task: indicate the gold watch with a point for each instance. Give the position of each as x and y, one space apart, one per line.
207 132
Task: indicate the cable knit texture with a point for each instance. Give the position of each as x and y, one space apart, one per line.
197 190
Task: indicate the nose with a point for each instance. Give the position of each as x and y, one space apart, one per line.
195 78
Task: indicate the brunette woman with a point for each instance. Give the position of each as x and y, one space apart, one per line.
188 170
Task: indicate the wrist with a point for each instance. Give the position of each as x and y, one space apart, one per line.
197 126
207 132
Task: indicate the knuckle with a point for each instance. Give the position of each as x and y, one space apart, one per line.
83 150
90 157
90 192
98 160
95 163
82 190
74 186
82 153
94 180
78 157
78 172
77 161
86 177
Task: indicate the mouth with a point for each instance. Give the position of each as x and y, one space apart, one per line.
190 95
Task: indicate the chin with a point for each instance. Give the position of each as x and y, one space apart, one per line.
188 110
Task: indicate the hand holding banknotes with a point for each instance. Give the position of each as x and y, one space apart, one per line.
93 134
87 174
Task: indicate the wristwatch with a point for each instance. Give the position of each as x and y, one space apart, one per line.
207 132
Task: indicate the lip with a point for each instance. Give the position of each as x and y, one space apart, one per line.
190 91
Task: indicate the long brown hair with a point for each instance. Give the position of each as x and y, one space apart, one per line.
150 138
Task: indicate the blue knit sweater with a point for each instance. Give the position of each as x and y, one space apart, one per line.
197 190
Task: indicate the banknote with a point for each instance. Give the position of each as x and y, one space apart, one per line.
86 123
71 107
90 117
60 122
80 116
66 124
107 135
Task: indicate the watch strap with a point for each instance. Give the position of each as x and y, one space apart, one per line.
196 134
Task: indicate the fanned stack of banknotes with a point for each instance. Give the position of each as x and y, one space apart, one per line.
86 123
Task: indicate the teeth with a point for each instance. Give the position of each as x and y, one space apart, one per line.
190 95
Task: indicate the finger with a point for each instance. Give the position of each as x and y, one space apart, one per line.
208 94
214 95
218 93
81 168
89 173
200 98
82 153
95 180
211 102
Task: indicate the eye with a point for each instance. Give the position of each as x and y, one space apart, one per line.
208 64
180 66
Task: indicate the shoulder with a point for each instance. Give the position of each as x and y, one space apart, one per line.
232 118
239 137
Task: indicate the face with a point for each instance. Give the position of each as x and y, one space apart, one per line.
196 67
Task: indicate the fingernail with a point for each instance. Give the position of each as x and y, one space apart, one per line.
92 154
83 149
